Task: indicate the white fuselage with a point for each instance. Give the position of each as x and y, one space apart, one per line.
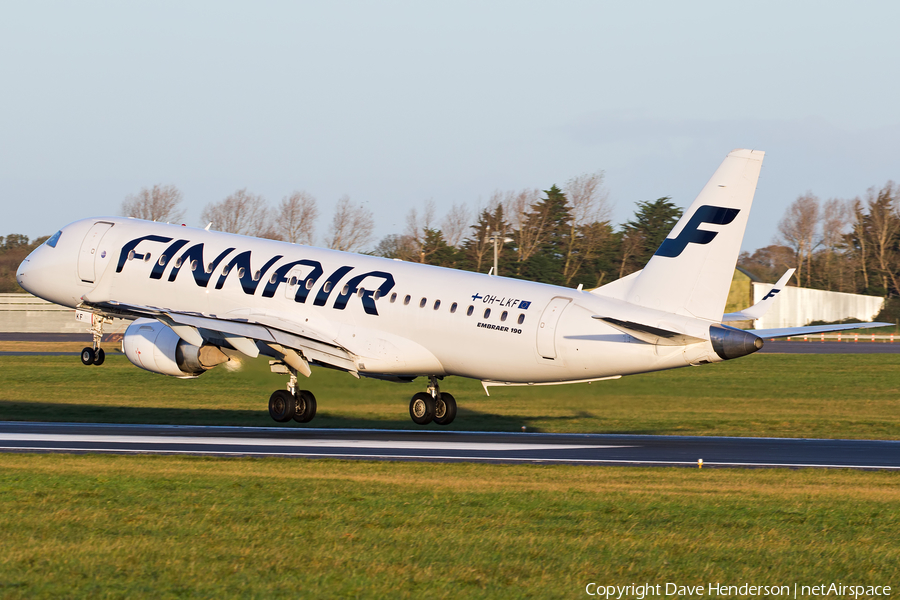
392 317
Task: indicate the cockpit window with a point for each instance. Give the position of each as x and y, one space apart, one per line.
54 238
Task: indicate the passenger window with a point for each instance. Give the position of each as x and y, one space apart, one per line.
327 287
504 315
487 313
241 271
470 311
147 257
293 281
309 283
256 276
453 308
194 265
393 297
345 290
437 304
521 318
407 299
422 303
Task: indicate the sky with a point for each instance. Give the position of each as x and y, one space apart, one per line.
398 103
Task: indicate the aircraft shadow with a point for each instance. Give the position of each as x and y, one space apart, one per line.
466 420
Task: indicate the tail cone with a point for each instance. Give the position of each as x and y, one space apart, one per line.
729 342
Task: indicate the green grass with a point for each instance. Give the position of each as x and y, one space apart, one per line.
826 396
163 527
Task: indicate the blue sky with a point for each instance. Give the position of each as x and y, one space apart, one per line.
398 103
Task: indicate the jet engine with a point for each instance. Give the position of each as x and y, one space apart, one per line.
153 346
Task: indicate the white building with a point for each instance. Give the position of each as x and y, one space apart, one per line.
797 306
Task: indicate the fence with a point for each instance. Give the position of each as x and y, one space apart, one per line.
24 313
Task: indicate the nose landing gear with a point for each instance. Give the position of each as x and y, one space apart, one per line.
94 354
433 405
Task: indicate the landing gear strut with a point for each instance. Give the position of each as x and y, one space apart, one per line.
284 405
432 405
94 354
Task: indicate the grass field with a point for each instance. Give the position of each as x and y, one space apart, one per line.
162 527
170 527
826 396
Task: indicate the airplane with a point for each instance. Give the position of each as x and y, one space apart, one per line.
197 297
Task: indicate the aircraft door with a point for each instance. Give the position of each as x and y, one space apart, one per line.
87 257
546 333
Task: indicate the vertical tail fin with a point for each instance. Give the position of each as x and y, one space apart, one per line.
691 272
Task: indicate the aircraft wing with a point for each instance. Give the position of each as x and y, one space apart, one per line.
786 331
297 343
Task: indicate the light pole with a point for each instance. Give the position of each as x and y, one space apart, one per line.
496 237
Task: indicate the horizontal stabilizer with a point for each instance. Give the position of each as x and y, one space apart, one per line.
762 307
810 329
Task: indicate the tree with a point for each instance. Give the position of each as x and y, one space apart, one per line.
351 226
13 241
454 225
589 209
417 226
831 265
798 230
552 217
643 235
397 246
159 203
882 230
769 263
526 226
478 248
243 213
296 218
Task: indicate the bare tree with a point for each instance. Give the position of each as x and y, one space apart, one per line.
528 227
455 224
859 243
351 227
242 212
417 227
589 205
159 203
296 218
835 221
798 229
883 231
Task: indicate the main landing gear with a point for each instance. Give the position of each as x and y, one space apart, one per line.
432 405
94 354
284 405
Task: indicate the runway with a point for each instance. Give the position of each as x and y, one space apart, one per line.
441 446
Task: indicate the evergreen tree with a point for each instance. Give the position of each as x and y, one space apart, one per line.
643 235
477 253
550 217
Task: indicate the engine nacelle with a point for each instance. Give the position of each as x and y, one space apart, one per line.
153 346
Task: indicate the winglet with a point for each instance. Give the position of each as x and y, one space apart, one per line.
762 307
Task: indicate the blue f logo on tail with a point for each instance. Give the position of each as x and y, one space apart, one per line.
692 234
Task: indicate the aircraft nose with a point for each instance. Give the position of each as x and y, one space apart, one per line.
21 273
